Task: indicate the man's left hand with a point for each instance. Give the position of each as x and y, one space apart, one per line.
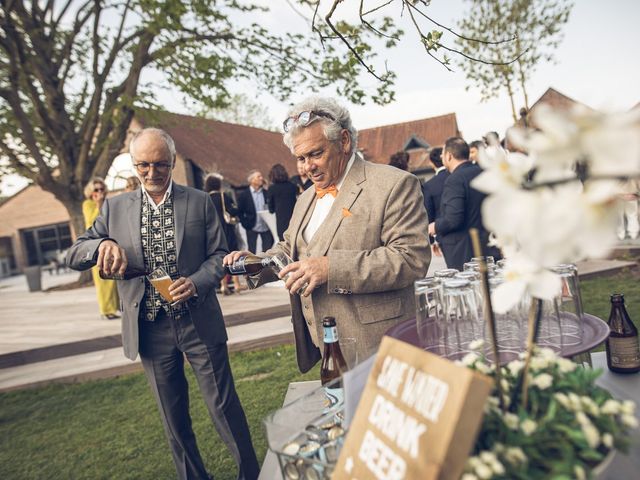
182 289
432 229
312 271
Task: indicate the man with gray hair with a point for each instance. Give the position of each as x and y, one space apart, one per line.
358 239
251 202
167 225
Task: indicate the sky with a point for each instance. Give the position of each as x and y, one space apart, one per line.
594 65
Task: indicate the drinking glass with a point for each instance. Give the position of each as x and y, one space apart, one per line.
568 305
161 281
445 273
550 330
428 292
489 260
281 260
508 330
460 316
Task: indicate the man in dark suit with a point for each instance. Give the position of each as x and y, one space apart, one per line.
432 193
174 227
460 207
250 202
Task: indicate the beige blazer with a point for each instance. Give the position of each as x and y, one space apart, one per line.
375 237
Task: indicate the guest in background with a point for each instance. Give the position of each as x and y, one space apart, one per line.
301 181
213 186
400 160
460 208
95 192
628 225
250 203
281 198
132 184
432 193
474 149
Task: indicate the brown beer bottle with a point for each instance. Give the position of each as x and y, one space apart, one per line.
248 265
333 363
623 349
129 273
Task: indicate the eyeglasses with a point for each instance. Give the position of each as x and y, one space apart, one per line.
305 118
144 167
98 189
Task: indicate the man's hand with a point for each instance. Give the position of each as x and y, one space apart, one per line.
182 289
432 229
111 258
234 256
435 249
312 271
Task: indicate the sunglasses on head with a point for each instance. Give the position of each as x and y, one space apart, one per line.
305 118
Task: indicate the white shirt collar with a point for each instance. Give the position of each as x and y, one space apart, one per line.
164 199
439 169
255 190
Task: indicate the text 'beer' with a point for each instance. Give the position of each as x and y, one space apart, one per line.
623 349
333 363
248 265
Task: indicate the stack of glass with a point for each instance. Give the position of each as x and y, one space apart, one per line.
450 313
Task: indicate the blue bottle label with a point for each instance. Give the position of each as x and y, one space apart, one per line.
330 334
335 397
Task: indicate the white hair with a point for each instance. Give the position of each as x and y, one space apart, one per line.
331 128
171 146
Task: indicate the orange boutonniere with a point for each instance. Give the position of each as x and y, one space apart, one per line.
346 212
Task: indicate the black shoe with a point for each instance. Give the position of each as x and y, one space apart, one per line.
110 316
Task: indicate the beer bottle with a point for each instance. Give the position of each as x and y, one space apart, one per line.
129 273
248 265
333 363
623 349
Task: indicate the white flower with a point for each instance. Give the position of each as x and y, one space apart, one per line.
565 365
543 381
510 420
607 440
504 383
591 434
497 467
501 170
579 472
628 407
528 426
474 462
563 400
488 457
523 277
582 418
629 421
515 366
515 455
476 345
468 476
483 471
590 406
611 407
469 359
539 363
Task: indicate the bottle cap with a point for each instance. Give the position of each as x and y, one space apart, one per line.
617 297
329 322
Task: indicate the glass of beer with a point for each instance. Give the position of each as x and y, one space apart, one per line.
161 281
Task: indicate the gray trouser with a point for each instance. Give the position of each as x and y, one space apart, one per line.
163 345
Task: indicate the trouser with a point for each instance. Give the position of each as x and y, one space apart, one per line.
252 238
163 345
628 220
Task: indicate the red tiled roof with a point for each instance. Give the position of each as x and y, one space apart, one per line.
226 148
554 99
379 143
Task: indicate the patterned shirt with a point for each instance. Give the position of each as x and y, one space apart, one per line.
157 228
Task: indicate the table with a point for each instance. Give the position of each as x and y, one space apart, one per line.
622 387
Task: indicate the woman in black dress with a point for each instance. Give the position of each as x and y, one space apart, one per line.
213 186
281 197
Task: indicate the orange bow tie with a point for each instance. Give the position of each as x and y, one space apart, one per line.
331 190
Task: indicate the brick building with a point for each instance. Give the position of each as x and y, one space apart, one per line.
34 226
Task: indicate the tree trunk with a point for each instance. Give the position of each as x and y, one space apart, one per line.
77 229
507 84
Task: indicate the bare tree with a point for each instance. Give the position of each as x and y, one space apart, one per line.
536 27
242 110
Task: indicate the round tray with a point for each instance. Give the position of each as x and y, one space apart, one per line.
595 331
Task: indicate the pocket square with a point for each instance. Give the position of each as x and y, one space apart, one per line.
346 212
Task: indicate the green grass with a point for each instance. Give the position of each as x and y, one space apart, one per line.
111 429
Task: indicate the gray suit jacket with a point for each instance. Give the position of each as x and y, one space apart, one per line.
200 244
375 237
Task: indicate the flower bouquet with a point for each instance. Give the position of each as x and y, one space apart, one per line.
567 426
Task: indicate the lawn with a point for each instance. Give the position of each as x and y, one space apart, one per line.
110 429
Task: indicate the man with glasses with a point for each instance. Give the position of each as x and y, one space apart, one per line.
174 227
358 239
